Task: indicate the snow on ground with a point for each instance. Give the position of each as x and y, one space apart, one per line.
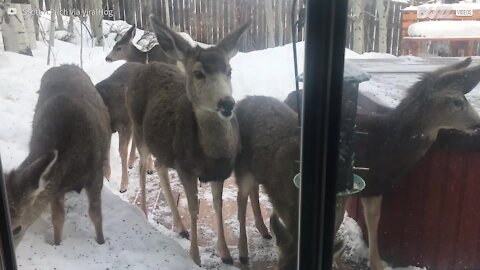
131 240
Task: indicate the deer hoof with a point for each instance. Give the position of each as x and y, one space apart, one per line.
267 236
150 172
130 166
123 190
101 241
244 260
227 261
185 234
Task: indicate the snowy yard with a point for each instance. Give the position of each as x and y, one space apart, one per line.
133 242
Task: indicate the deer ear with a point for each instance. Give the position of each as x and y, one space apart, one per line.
130 34
457 66
466 78
39 171
171 42
229 44
133 32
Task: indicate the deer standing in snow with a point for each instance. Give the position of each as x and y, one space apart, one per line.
69 144
187 122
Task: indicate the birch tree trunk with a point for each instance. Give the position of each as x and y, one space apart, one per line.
382 25
51 41
358 10
270 21
96 20
27 12
13 30
35 11
61 26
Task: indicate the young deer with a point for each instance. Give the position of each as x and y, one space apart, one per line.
69 144
112 90
186 120
436 101
270 154
125 50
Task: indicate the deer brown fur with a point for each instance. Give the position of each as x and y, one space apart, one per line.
186 121
397 139
113 90
68 146
270 156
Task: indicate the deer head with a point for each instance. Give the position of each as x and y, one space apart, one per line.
124 48
207 70
24 185
438 99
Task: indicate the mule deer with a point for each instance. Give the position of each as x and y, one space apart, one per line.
112 90
125 50
436 101
187 122
270 154
69 143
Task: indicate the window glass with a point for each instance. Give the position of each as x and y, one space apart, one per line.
129 140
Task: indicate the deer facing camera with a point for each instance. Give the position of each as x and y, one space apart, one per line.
11 11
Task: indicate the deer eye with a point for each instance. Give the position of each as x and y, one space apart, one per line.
198 75
17 230
118 49
458 103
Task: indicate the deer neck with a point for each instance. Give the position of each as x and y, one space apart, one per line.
409 131
38 206
138 56
218 136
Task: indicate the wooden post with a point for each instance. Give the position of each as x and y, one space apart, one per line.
270 22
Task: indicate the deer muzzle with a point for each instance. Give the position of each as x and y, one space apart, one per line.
225 106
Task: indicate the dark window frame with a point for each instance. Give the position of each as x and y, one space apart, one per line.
7 248
323 81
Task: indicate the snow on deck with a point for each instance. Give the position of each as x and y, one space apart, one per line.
445 29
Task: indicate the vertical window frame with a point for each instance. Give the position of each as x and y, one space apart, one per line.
323 82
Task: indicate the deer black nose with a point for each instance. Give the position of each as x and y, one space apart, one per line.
108 59
226 105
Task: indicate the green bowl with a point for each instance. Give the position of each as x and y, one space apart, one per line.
358 185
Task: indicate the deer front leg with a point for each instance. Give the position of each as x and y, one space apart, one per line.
150 165
257 212
245 184
131 157
95 210
190 184
167 191
58 218
217 191
372 211
124 138
143 178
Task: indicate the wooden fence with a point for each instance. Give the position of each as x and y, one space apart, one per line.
394 26
208 21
